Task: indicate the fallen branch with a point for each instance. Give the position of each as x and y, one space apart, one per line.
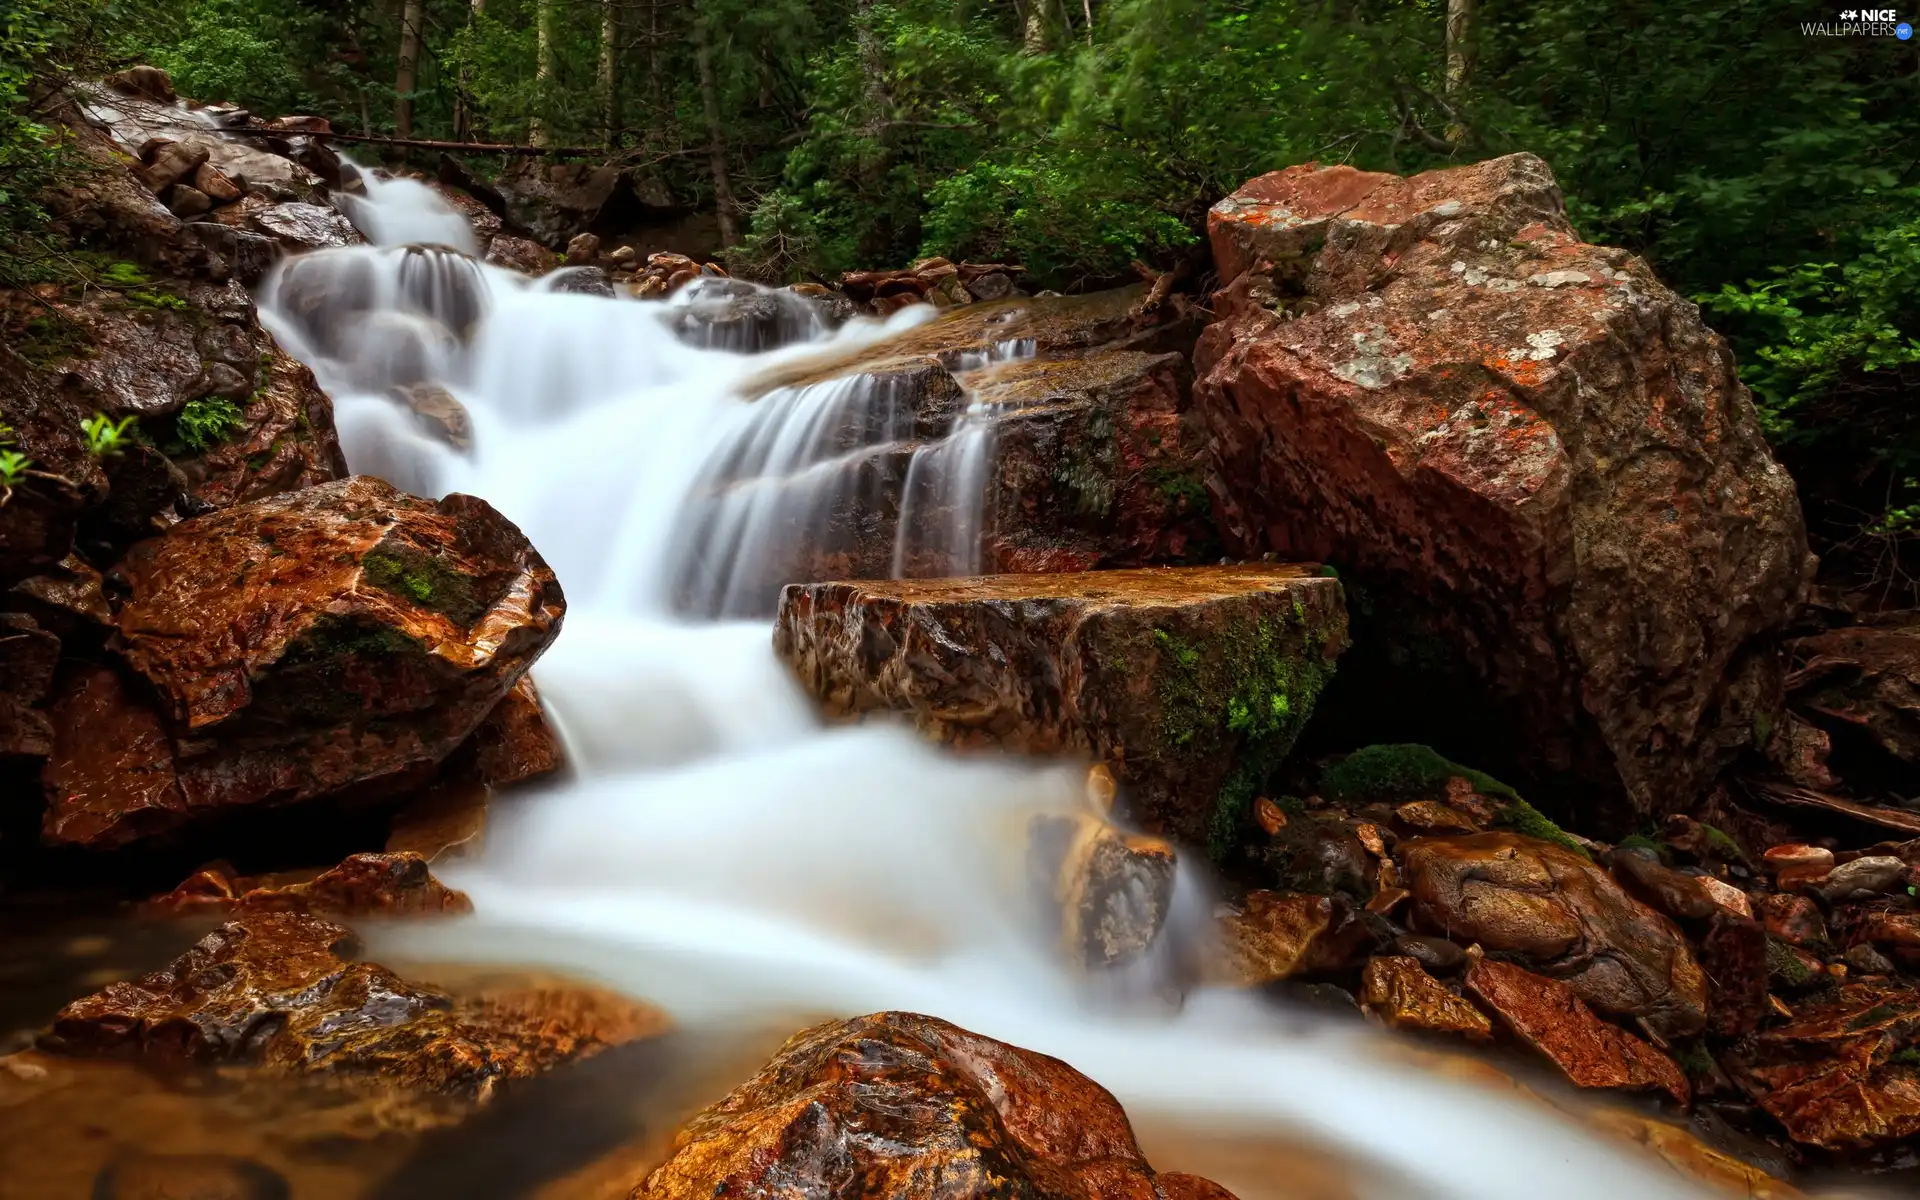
1802 797
375 139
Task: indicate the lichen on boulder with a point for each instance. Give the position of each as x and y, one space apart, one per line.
1192 682
345 636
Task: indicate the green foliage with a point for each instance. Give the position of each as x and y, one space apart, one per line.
207 422
105 436
1528 821
13 464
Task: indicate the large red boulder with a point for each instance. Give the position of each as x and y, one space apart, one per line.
910 1107
1524 440
341 638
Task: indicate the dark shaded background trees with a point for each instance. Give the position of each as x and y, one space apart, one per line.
1774 175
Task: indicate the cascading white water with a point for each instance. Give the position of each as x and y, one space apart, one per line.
715 850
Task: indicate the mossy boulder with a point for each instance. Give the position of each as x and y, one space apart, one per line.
340 639
1193 682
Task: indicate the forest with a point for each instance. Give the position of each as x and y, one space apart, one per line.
1772 176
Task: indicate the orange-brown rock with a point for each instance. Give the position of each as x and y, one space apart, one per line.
907 1107
281 990
343 636
1271 936
376 885
1526 445
1792 917
1547 1015
1192 682
1108 892
516 743
1564 917
1399 991
1833 1076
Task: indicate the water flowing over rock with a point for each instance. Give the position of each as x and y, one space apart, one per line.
1526 441
1030 435
344 635
1563 916
282 990
914 1109
1192 682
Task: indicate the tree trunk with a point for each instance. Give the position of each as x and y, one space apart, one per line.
1459 59
610 22
873 64
463 99
1034 39
716 135
542 71
407 77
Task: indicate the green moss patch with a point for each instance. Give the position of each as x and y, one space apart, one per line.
404 570
1245 692
1398 773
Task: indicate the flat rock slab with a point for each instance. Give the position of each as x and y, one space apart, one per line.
1192 681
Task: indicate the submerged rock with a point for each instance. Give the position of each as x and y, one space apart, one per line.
1562 915
1547 1015
378 885
343 636
1109 891
911 1108
1192 682
1527 441
281 990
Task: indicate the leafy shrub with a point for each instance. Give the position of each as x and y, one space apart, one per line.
207 422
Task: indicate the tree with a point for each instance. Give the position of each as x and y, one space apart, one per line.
611 37
542 73
716 133
407 77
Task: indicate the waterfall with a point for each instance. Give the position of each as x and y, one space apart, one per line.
714 849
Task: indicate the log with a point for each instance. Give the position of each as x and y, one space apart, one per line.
1789 796
425 143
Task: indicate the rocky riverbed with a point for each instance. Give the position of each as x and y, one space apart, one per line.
1513 720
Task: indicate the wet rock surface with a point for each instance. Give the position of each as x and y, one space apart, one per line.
906 1106
364 885
1527 440
1550 1018
282 991
1562 915
1191 682
337 636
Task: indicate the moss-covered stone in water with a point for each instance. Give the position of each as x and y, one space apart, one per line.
425 580
1410 771
1247 693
